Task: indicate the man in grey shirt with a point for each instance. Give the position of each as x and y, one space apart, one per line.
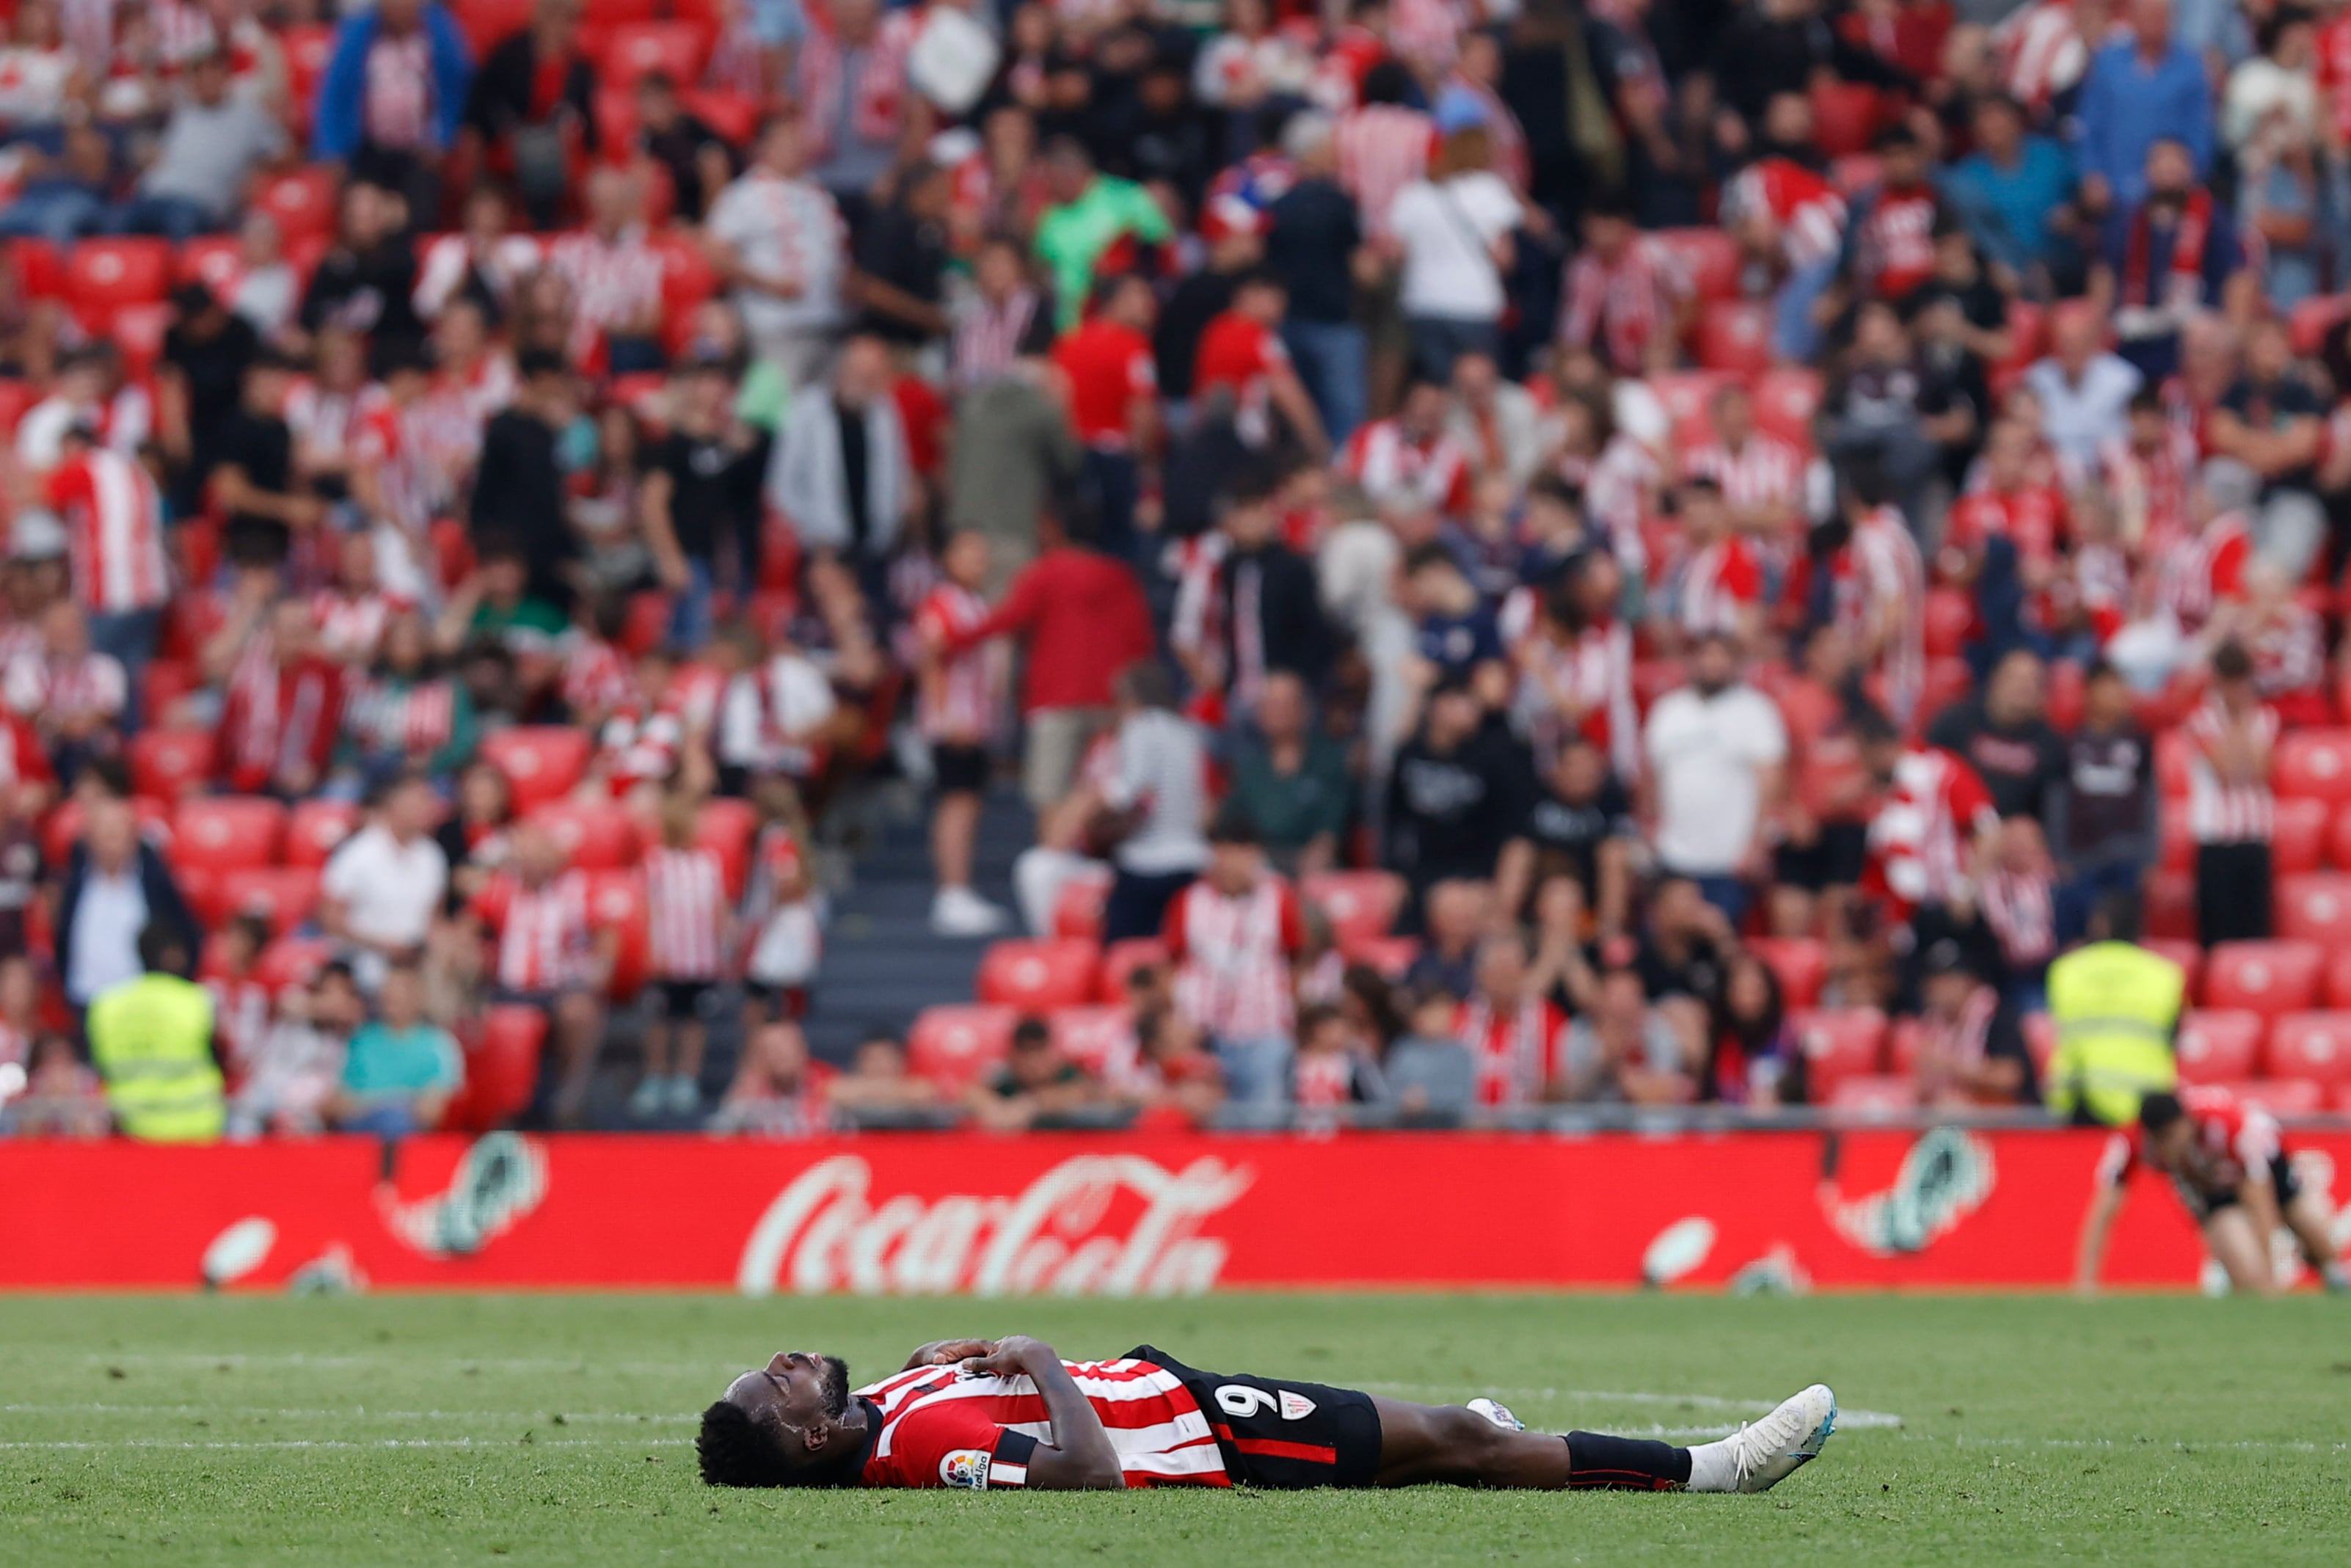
211 146
1160 795
1622 1051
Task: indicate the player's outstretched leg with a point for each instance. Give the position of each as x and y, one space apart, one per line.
1470 1445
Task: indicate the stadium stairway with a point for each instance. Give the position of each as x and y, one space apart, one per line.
882 963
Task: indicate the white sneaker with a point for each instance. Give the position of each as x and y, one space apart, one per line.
1763 1454
646 1103
684 1096
959 912
1496 1412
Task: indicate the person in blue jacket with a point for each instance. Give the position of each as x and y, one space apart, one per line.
395 139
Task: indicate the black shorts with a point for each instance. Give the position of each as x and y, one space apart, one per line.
1835 859
1283 1436
2206 1202
789 1002
688 1001
960 769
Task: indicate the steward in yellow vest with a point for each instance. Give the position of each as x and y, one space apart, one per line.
151 1040
2116 1006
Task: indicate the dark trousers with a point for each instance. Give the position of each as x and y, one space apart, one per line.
1113 483
2232 892
1138 902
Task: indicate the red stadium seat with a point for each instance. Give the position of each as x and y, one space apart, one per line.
688 276
1951 616
292 961
286 897
2267 978
1846 117
2028 336
63 828
541 762
2314 319
1903 1038
164 685
1949 680
1787 399
2339 840
611 14
103 275
488 22
304 202
138 332
616 902
2314 907
213 260
1097 1038
1709 257
2175 842
1839 1044
2068 695
734 116
616 108
2217 1045
1688 399
2188 955
2280 1096
2314 763
1885 1093
2174 754
1078 908
2171 906
1735 335
40 270
640 48
1653 678
2298 836
1119 960
1360 904
308 49
953 1046
730 827
2316 1045
169 763
1037 977
1801 963
1391 956
16 397
226 832
595 835
2338 983
501 1068
317 829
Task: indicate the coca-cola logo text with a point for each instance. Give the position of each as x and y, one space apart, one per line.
1109 1224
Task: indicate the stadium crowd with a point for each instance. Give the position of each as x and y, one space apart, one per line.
1520 552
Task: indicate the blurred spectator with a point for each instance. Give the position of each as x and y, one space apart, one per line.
1753 1057
400 1072
1582 832
150 1038
853 85
1314 242
1457 799
1455 235
2103 808
383 885
776 237
1717 754
1035 1085
2085 391
64 195
390 101
73 697
549 958
2005 736
531 106
1174 1072
1514 1033
1114 405
780 917
1017 458
1971 1050
1457 914
519 487
2174 253
2143 88
62 1098
1429 1073
615 277
877 1081
1092 225
1627 298
2018 894
778 1090
1292 779
1235 935
482 262
1333 1069
211 148
1622 1051
2273 421
839 467
1155 804
283 710
367 279
2229 806
116 887
2015 192
701 499
901 258
960 708
699 161
691 927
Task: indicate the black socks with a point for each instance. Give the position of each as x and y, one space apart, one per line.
1625 1464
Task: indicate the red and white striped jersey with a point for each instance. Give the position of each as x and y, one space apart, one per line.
389 442
2289 652
2034 520
940 1428
2233 1140
1584 688
2150 489
398 103
398 717
241 1007
1920 837
1233 958
114 527
2021 908
1515 1053
22 761
1806 207
2198 572
638 748
1716 587
53 689
2334 69
350 626
1878 579
1383 148
685 909
595 676
1395 470
542 932
1764 472
2220 811
1619 309
963 701
2042 51
613 281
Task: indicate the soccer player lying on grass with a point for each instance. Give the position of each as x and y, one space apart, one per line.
2233 1170
1011 1412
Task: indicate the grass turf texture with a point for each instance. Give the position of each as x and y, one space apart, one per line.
556 1429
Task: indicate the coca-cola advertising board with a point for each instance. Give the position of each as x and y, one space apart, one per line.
1134 1215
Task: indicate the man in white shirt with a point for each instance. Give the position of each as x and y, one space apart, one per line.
2085 390
776 238
381 888
1162 789
1714 749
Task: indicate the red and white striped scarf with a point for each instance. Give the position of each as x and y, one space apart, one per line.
880 90
410 718
1514 1053
2021 910
275 715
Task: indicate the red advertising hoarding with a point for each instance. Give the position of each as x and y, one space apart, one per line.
1149 1214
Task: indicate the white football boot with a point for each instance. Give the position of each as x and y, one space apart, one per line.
1498 1413
1764 1453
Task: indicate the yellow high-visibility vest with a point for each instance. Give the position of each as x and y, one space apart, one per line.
2116 1006
150 1040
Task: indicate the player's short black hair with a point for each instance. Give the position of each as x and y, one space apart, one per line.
2159 1110
736 1450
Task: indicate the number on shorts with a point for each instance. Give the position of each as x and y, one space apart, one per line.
1241 1400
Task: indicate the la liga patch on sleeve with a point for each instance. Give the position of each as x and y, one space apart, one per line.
965 1467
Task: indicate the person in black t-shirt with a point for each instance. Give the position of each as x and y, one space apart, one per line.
1316 244
2103 821
899 258
699 161
701 496
201 382
2005 736
2273 422
254 472
518 488
1581 828
368 281
1458 797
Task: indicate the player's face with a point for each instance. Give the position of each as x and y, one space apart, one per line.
2167 1150
801 1389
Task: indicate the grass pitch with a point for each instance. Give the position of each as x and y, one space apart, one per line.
556 1430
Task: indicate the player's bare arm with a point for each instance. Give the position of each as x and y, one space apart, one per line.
1080 1456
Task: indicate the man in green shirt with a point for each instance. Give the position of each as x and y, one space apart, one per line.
1089 214
1292 781
496 602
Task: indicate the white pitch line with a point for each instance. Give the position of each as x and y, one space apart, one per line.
358 1412
1846 1420
332 1362
341 1443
